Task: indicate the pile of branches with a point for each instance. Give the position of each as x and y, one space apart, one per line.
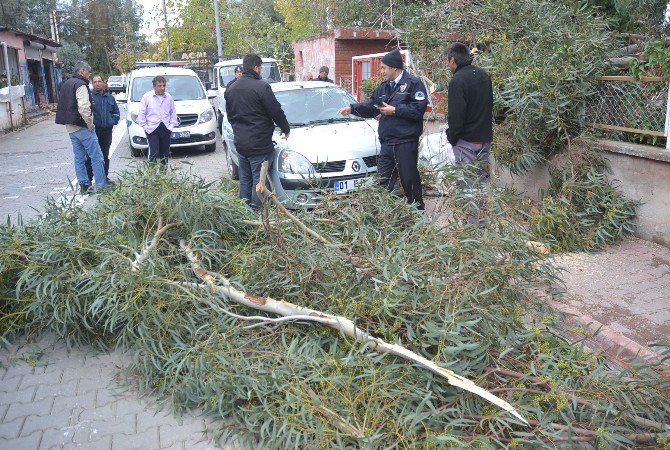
358 324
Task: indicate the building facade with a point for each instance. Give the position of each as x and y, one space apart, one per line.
335 50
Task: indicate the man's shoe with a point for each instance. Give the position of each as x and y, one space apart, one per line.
84 189
110 182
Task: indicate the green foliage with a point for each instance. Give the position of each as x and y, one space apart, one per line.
582 210
447 291
369 85
540 55
634 16
68 55
655 60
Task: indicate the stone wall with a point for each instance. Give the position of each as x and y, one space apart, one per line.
643 173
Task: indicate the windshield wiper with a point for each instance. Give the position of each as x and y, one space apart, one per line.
333 120
298 124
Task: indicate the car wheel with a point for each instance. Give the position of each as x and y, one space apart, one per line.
233 172
210 148
136 152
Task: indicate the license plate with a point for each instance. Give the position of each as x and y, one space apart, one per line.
180 134
342 186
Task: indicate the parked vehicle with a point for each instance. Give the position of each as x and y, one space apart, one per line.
324 151
116 83
224 72
197 119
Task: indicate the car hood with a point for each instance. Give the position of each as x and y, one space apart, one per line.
182 107
334 142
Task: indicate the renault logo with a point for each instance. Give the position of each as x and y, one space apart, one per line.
355 166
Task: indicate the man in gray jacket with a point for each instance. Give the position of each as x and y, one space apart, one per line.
74 111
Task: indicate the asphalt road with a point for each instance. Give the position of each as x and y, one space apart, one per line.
37 162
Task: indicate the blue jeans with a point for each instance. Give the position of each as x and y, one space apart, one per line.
250 173
85 142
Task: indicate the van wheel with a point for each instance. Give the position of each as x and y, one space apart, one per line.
233 171
210 148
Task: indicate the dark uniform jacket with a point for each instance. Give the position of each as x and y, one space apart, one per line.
252 110
470 105
410 100
327 80
68 111
105 110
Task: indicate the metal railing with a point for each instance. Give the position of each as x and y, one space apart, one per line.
631 106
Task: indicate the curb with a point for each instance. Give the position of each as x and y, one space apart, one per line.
615 344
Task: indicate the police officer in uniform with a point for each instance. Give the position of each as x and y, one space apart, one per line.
401 100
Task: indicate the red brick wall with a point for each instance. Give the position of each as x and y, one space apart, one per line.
328 50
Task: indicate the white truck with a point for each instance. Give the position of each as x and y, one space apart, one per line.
224 72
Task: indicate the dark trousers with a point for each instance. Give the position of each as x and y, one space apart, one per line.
399 161
159 144
105 140
249 170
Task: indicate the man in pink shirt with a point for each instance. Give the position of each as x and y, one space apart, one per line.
158 117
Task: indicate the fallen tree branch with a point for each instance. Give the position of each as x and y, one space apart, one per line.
341 324
146 251
264 194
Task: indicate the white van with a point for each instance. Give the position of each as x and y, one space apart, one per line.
197 118
224 72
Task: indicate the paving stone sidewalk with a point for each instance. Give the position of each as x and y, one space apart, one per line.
625 288
73 400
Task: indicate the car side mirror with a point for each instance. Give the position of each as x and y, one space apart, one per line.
121 98
208 85
211 94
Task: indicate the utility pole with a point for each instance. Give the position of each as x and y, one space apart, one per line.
218 31
167 33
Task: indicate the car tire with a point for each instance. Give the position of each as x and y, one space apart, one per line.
210 148
136 152
233 171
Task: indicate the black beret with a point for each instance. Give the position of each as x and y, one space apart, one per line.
393 59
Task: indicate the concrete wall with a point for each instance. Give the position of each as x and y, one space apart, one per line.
643 173
17 117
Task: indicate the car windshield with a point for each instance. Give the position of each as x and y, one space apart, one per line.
315 105
181 87
269 72
115 79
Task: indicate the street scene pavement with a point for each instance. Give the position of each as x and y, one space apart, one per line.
54 398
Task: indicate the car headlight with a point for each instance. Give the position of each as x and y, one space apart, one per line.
133 117
206 116
293 162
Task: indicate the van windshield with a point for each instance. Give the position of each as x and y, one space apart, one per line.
269 72
115 79
181 87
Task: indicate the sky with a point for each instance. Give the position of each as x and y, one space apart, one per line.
150 25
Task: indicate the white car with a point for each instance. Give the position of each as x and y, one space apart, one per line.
224 72
324 152
116 83
197 119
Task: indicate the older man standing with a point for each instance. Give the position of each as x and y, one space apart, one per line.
158 117
74 111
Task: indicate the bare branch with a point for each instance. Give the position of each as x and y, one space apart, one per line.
146 251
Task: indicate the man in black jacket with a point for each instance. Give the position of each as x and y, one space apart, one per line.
105 115
401 100
470 118
253 111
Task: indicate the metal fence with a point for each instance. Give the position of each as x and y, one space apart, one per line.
631 106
